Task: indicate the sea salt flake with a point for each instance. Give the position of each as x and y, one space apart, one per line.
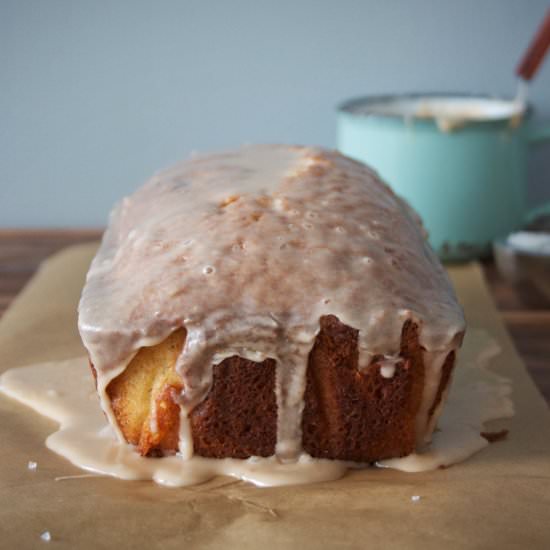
46 536
32 465
415 498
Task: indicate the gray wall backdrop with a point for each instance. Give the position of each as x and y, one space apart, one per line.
97 95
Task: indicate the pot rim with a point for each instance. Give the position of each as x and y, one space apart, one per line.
350 106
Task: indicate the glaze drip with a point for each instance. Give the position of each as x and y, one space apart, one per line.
64 392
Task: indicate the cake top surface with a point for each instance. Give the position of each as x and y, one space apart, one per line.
247 249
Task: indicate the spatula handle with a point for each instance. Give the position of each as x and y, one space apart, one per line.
537 50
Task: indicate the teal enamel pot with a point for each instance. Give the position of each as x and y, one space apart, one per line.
467 181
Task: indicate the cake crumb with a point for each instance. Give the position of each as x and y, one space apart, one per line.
32 465
491 437
46 536
415 498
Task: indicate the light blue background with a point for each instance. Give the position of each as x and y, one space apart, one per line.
97 95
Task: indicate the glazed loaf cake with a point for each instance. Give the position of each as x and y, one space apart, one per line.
273 300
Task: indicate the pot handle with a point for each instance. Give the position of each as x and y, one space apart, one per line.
537 211
538 135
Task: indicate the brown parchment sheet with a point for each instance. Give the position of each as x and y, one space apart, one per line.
500 498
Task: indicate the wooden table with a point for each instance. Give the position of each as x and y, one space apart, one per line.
525 311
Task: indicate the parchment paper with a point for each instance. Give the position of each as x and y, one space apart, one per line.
500 498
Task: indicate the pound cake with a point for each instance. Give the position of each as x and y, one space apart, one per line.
271 300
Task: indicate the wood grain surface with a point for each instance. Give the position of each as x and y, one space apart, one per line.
525 311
